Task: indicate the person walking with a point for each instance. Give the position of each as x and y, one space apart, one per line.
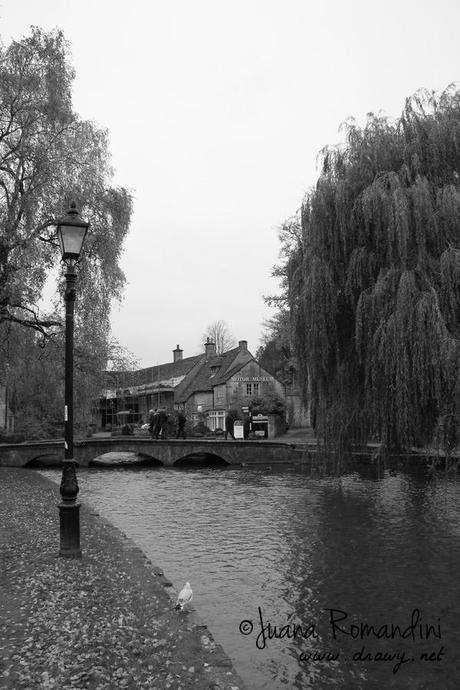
151 421
163 422
156 424
229 421
181 419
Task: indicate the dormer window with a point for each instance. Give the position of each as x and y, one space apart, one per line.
214 369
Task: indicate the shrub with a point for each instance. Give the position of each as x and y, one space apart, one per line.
268 404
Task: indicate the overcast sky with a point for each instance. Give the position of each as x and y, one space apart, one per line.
216 113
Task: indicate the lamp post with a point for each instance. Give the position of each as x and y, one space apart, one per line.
71 231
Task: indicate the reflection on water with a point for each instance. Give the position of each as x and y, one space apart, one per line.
327 554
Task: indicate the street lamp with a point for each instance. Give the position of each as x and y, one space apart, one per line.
71 231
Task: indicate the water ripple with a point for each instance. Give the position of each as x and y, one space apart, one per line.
294 545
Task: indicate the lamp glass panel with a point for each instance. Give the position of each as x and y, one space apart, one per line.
61 244
71 239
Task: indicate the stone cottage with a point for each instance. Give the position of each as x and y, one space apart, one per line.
206 386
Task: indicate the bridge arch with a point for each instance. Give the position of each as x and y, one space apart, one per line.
126 459
44 460
200 460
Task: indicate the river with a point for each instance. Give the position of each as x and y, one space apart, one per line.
323 565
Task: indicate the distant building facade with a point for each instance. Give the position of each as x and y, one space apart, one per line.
206 386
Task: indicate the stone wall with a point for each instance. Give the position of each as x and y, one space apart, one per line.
252 375
296 413
276 426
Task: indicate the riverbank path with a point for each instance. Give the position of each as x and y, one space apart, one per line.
102 622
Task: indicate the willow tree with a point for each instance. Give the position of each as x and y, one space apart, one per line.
48 157
374 284
276 352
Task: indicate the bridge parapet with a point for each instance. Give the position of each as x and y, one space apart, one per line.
167 452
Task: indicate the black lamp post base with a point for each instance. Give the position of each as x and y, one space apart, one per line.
69 517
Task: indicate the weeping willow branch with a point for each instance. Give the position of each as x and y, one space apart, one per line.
374 281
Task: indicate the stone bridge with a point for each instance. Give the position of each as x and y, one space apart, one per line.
88 452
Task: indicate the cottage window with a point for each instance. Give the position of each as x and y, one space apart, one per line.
255 388
216 419
249 389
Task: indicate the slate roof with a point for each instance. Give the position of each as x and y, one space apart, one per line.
206 377
159 372
163 372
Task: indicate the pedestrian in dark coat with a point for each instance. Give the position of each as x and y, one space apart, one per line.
156 424
163 420
229 420
151 421
181 419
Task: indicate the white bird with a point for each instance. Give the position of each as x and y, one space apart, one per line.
185 596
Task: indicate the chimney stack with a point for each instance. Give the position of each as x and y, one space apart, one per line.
243 344
177 354
209 347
